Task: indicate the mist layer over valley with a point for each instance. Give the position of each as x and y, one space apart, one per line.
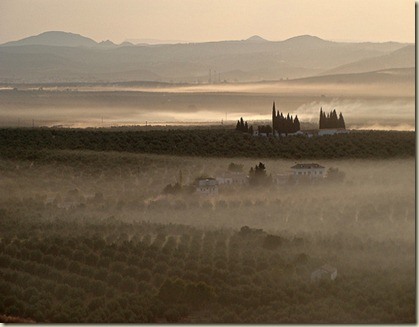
128 182
137 104
262 240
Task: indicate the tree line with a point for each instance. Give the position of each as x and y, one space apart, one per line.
242 126
33 144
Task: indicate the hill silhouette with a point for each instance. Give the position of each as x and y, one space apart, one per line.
256 38
55 38
401 58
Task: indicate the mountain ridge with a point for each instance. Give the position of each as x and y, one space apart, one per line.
69 57
53 38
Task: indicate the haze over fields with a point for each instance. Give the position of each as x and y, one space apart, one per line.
55 202
67 79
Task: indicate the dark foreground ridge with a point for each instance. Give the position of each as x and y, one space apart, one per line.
27 143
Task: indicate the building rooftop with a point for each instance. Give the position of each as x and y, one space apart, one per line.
306 166
206 181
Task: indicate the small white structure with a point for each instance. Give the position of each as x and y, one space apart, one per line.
309 169
207 186
325 272
293 134
332 131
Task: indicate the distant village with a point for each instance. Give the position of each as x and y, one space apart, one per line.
329 124
300 173
307 172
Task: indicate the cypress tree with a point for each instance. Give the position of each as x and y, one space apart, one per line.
296 124
326 119
288 124
341 121
273 116
291 124
334 119
281 124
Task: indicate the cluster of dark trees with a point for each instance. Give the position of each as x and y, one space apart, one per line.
331 120
284 125
242 126
258 175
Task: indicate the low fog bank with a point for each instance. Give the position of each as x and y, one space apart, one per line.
210 104
375 199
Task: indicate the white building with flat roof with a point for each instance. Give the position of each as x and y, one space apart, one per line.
308 169
232 178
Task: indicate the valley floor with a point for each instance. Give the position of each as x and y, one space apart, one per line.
89 236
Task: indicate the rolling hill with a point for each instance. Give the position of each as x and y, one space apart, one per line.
401 58
55 38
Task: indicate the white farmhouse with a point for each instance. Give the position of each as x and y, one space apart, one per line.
232 178
308 169
326 272
224 180
207 186
239 178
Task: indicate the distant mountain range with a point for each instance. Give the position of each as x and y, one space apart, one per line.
67 57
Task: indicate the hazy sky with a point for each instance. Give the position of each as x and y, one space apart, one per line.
210 20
